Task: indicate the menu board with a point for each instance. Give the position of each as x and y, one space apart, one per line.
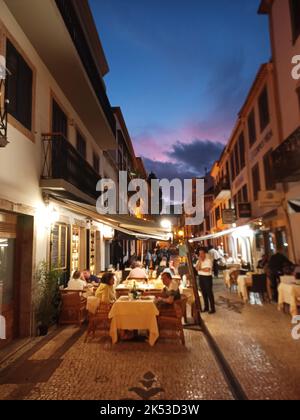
92 251
75 248
55 246
59 238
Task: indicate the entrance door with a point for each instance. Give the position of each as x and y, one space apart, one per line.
7 274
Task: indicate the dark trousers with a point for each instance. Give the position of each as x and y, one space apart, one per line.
275 280
216 268
206 286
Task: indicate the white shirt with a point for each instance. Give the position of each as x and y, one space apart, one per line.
138 273
76 284
214 254
207 263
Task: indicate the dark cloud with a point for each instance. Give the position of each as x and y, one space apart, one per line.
168 170
191 160
198 156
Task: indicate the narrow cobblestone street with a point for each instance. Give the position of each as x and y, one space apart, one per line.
256 341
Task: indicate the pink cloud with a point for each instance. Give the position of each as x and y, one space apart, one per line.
156 143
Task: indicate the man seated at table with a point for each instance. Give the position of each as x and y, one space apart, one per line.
90 278
105 291
138 272
76 282
171 291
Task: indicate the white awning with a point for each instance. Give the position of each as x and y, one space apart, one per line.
239 229
129 225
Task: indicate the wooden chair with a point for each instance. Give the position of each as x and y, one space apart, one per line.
170 320
73 309
99 321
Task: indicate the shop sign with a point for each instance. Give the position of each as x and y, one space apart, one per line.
269 198
245 210
228 216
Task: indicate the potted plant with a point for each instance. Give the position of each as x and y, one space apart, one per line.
47 297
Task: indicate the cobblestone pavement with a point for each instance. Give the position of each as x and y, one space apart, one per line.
257 343
67 368
255 340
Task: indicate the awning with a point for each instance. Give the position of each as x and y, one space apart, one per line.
129 225
294 206
239 229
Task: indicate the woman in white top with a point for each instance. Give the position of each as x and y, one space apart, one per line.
138 272
204 268
76 283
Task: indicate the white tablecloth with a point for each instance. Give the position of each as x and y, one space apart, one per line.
92 304
226 274
134 315
243 283
289 294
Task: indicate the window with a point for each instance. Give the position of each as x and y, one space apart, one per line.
59 120
252 128
81 144
295 17
232 165
218 214
263 103
237 159
245 194
59 241
269 176
96 162
242 151
256 181
240 196
19 87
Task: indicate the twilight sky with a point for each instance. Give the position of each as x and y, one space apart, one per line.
180 70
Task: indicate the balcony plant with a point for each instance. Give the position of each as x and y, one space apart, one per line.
47 297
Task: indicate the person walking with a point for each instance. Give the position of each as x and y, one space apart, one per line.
204 268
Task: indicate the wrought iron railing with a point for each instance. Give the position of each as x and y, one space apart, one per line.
286 159
223 185
76 32
62 161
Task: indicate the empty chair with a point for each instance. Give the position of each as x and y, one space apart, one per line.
73 308
170 320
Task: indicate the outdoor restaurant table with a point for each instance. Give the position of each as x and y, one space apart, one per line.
188 292
134 315
289 293
243 283
92 304
226 274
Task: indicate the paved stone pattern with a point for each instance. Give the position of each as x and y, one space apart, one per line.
97 371
257 343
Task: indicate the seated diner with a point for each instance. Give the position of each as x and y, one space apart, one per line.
76 282
105 291
138 272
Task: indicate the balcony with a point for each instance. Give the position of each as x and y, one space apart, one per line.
286 159
65 171
73 25
59 36
223 190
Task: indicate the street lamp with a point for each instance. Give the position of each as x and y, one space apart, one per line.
166 224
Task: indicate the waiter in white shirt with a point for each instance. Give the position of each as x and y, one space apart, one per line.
204 268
